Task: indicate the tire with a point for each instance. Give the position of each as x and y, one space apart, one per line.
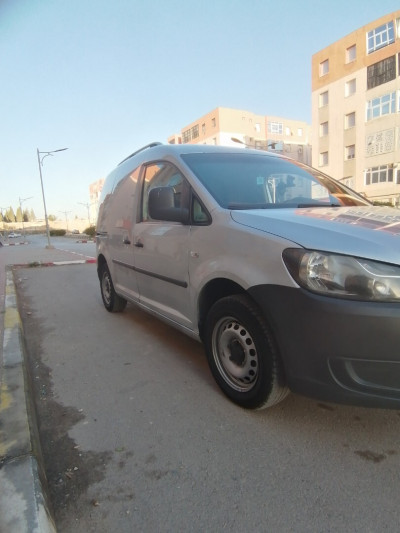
112 302
242 354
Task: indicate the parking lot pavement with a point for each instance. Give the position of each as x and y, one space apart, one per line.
23 502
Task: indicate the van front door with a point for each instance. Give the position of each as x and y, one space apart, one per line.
161 250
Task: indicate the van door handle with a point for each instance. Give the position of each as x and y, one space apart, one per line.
126 240
138 244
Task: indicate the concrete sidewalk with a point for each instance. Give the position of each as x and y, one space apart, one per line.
24 506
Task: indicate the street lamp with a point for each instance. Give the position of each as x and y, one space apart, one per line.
40 161
66 218
22 214
88 210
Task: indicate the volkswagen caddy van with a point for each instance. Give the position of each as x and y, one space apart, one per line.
290 279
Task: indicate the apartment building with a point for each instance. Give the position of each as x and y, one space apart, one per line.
235 127
356 109
95 189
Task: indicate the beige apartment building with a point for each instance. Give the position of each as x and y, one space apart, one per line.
95 189
234 127
356 109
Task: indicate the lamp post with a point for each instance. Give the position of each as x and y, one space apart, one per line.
66 218
88 210
40 162
22 214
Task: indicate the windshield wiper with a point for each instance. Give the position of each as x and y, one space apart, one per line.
238 206
285 205
317 205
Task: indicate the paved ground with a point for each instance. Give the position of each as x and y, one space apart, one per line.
23 502
143 440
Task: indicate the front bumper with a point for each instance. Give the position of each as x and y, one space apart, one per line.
333 349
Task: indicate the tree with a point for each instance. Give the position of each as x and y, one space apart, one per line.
52 218
32 216
19 216
10 215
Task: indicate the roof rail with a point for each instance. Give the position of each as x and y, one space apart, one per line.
140 150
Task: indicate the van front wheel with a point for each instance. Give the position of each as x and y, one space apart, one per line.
242 353
112 302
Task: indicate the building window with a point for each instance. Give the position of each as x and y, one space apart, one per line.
257 127
381 72
350 151
380 37
349 181
287 131
323 159
324 68
275 127
351 53
323 99
191 133
300 132
195 131
350 87
381 174
203 129
323 129
383 105
350 120
186 136
213 122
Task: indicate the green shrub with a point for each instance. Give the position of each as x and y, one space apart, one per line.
58 232
90 231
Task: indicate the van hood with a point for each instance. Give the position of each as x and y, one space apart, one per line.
364 231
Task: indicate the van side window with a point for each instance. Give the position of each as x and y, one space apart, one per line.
200 215
163 175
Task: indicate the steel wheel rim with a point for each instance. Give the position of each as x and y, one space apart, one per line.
235 354
106 286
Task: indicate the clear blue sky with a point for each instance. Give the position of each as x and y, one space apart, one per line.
105 77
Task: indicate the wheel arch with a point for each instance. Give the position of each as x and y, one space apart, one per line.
213 291
101 261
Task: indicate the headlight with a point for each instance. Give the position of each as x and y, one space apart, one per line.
343 276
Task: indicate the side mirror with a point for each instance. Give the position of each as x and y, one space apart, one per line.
162 206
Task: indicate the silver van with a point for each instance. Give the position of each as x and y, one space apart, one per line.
290 279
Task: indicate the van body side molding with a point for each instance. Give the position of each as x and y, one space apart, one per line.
152 274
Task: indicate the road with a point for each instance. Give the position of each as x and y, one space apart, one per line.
137 436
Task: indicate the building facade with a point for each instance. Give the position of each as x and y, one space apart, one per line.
94 197
356 109
234 127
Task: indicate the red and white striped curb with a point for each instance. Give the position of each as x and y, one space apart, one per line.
90 260
14 243
72 262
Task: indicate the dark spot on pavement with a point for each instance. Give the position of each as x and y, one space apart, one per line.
156 474
150 459
367 455
326 407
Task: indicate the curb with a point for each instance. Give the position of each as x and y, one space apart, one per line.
23 503
55 263
14 243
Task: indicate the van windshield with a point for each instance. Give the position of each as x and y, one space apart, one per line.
262 181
